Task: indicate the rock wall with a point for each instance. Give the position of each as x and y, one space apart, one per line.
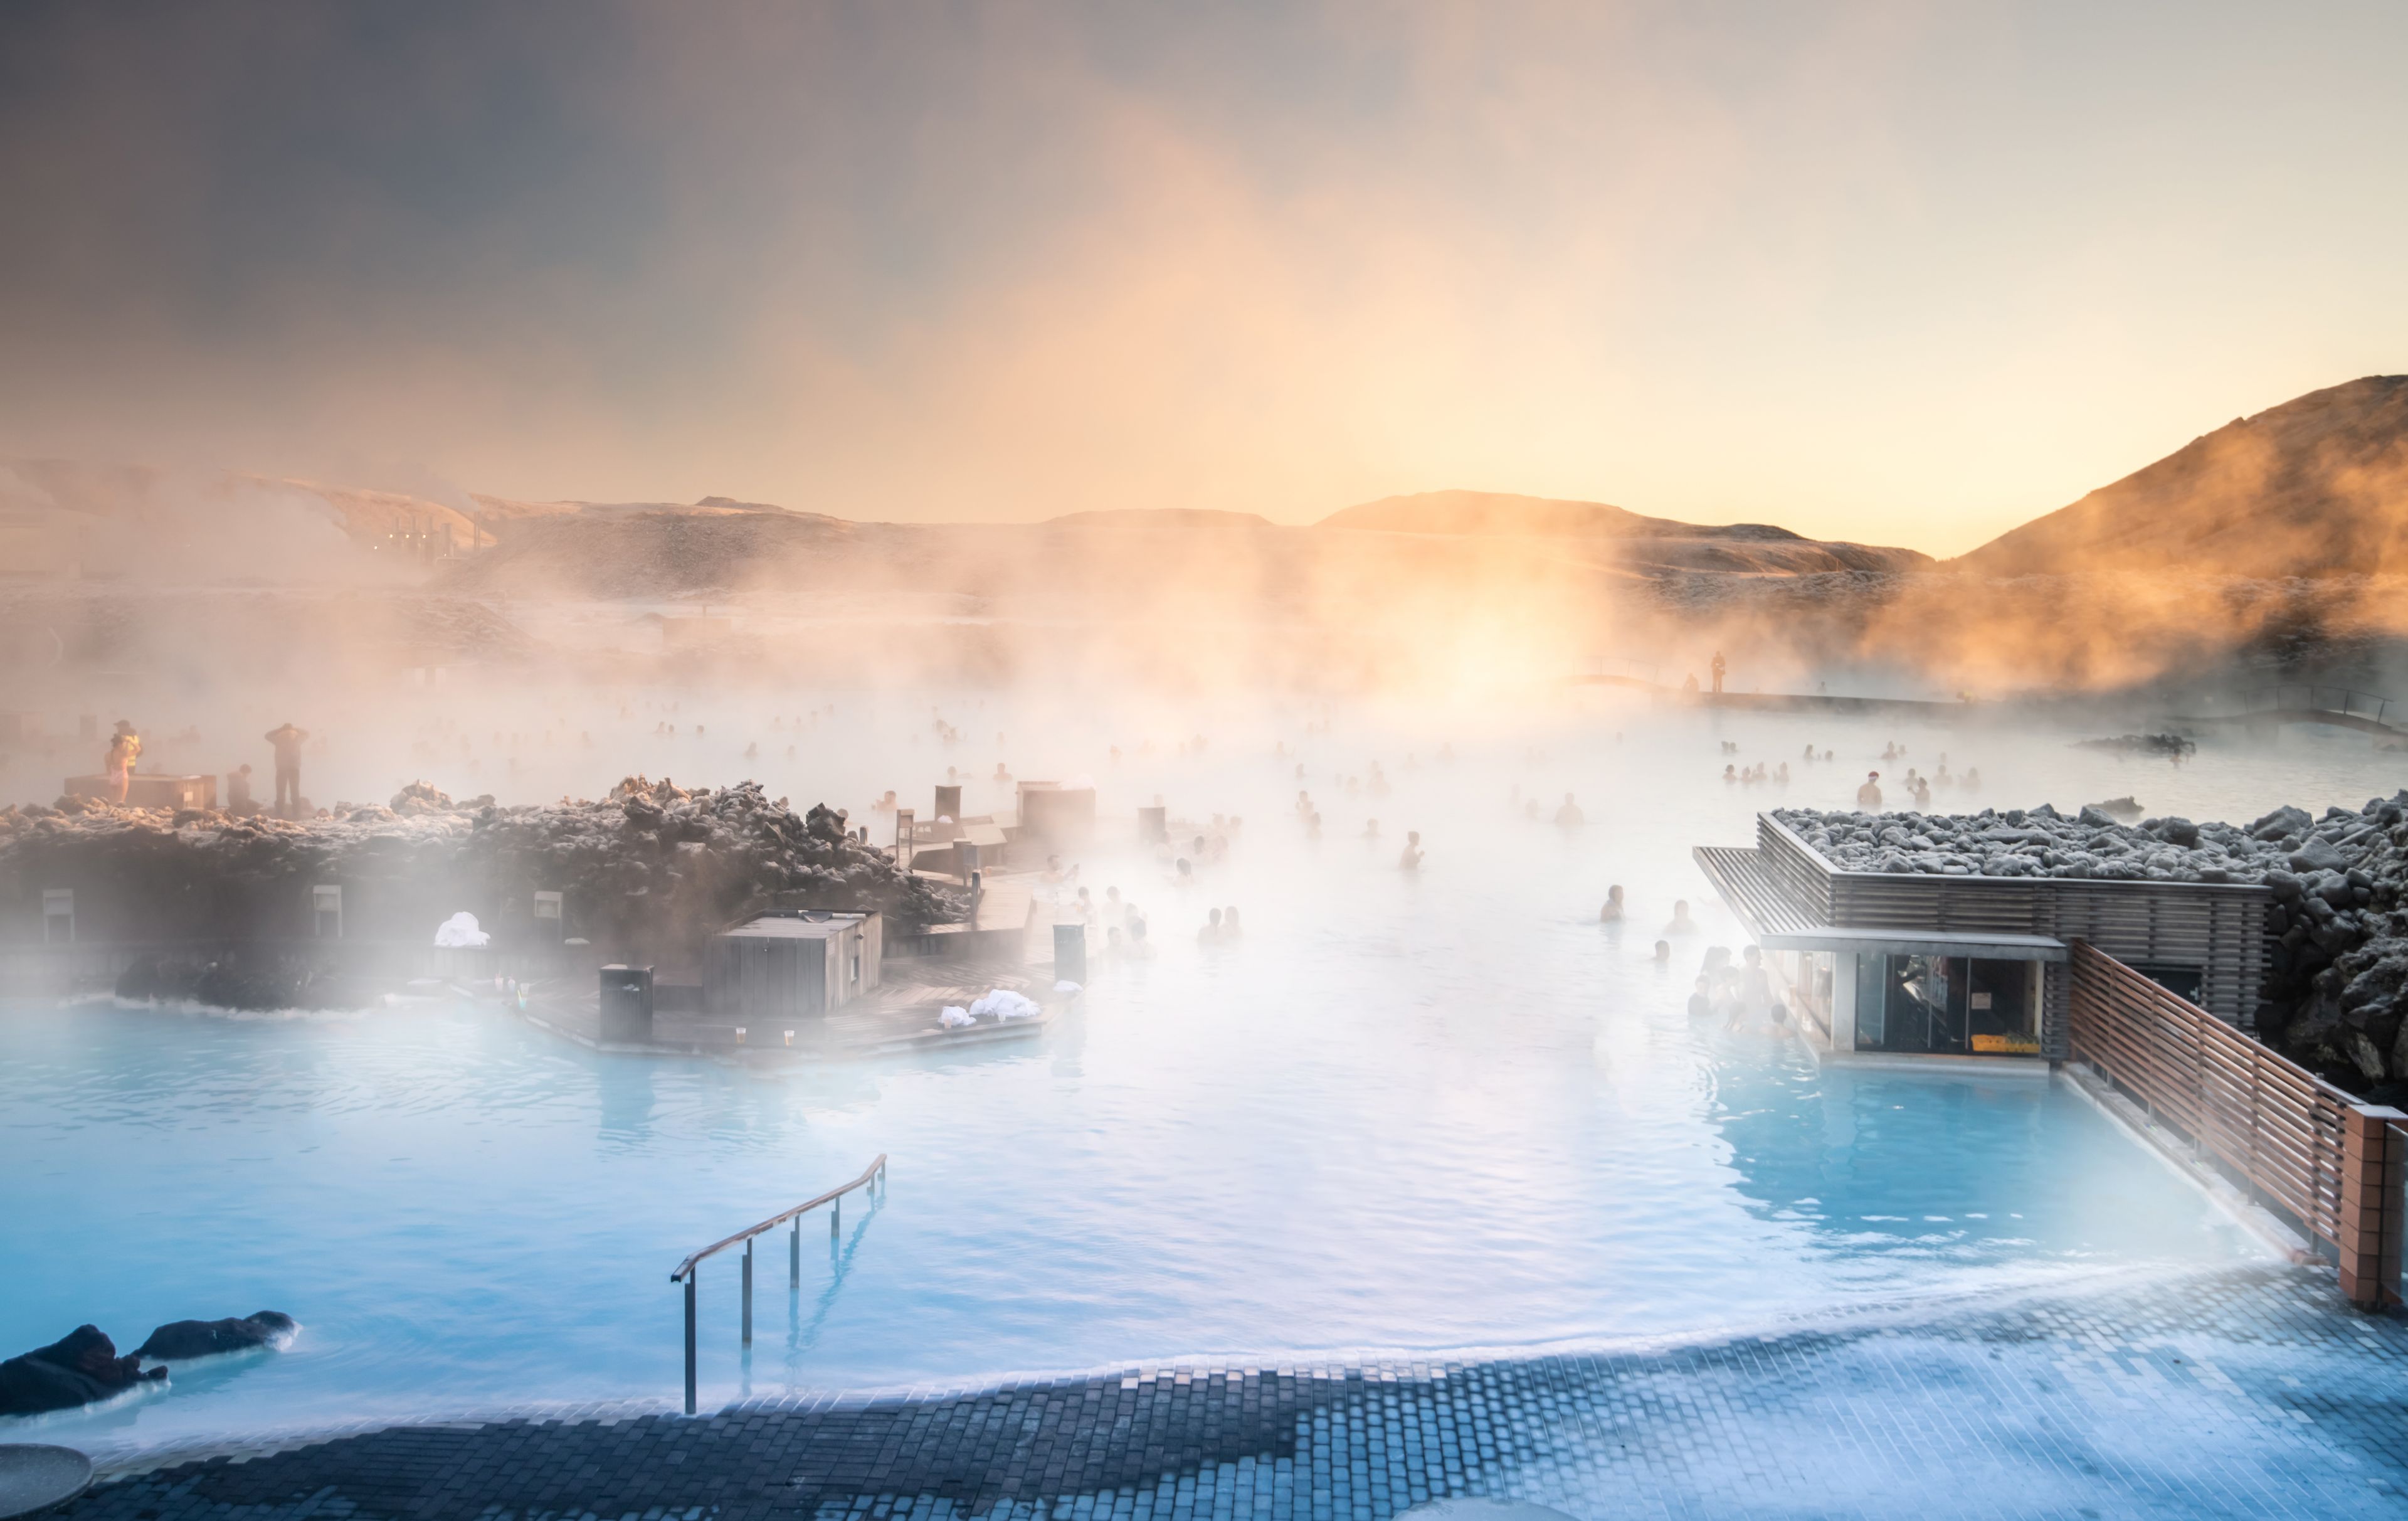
649 872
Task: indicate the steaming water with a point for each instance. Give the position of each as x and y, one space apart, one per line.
1441 1112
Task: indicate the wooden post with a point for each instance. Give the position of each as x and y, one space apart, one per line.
2371 1205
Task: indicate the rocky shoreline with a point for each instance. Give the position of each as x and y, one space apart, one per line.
650 870
2332 998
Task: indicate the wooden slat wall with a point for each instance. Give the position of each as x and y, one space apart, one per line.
2056 998
1805 876
1744 876
2270 1119
2218 927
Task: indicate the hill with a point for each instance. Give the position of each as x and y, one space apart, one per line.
1502 512
2317 487
507 509
1159 517
67 517
1642 544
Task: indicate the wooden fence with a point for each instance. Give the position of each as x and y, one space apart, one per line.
2330 1163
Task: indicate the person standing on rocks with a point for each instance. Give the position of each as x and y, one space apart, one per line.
1717 666
287 740
124 749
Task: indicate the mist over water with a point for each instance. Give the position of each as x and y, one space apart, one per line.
1333 426
1435 1111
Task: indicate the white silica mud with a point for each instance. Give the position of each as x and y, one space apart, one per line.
1444 1110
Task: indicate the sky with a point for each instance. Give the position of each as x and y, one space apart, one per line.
1896 272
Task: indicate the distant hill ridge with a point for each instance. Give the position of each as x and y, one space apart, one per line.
1459 512
1160 517
2317 487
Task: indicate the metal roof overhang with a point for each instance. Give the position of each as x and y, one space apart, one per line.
1780 922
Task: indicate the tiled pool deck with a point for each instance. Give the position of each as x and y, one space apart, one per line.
2251 1392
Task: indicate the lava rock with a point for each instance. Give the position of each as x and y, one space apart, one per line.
2175 831
2316 854
649 872
2281 824
180 1339
76 1370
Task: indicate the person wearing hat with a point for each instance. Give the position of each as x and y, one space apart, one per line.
124 749
287 740
1868 796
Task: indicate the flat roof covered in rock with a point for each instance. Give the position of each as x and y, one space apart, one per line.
2043 843
812 925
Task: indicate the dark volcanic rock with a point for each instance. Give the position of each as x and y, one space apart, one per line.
76 1370
2171 746
205 1338
652 870
240 976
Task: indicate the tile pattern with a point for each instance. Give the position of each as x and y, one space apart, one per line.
2252 1392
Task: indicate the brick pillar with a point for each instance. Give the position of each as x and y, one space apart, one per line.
2370 1206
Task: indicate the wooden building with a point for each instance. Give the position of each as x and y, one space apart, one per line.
791 964
1057 816
1916 965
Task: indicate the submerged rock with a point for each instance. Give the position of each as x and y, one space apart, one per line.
180 1339
76 1370
2171 746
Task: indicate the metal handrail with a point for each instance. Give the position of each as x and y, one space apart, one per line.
2301 696
686 1267
873 1174
2319 698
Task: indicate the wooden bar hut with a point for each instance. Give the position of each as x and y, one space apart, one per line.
791 964
1920 964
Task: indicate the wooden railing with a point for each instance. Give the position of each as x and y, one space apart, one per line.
2330 1163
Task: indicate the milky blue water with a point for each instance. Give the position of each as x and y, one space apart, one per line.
1438 1112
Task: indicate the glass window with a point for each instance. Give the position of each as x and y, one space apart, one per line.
1919 1015
1873 982
2001 1016
2182 982
1946 1006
